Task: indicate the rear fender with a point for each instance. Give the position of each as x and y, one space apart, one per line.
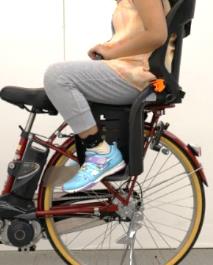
190 154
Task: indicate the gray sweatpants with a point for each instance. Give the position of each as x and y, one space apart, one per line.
70 84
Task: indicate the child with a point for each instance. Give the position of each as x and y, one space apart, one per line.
140 28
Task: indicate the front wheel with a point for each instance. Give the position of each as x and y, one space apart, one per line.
159 226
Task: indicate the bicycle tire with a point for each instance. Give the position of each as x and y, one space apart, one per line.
171 145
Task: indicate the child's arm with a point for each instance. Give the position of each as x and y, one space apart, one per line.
154 36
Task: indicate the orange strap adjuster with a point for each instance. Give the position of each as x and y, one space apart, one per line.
159 85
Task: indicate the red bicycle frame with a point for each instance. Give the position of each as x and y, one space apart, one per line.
61 150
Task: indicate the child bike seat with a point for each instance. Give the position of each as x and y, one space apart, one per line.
179 23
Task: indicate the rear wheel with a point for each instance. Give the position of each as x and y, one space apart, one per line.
159 226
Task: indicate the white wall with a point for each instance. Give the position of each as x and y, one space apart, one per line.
31 38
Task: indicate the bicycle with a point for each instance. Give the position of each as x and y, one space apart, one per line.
137 209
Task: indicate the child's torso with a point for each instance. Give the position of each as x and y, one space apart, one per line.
127 22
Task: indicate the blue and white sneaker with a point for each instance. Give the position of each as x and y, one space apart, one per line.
95 168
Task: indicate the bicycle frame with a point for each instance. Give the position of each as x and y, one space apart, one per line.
92 207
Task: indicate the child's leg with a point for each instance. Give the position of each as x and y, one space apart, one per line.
69 85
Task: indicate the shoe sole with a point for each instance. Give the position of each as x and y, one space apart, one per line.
108 173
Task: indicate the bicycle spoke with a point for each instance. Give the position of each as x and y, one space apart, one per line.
165 181
104 236
165 187
150 169
162 172
161 234
93 240
110 238
169 203
166 194
75 237
174 214
159 171
182 199
167 225
155 242
114 226
163 239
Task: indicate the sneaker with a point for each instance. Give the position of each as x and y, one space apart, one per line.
95 168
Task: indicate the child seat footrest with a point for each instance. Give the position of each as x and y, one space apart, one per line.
119 176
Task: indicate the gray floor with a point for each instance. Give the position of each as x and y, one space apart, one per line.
196 257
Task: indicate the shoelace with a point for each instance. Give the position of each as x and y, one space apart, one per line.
87 169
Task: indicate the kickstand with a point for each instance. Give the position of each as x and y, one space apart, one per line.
130 238
130 248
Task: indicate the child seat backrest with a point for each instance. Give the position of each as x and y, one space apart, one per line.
125 124
179 21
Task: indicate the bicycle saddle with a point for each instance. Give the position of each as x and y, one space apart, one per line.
21 96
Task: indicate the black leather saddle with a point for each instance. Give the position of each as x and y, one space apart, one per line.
22 97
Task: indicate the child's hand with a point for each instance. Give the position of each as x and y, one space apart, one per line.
99 49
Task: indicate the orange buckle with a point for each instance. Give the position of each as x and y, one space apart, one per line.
159 85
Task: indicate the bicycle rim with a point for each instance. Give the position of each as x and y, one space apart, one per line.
171 216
